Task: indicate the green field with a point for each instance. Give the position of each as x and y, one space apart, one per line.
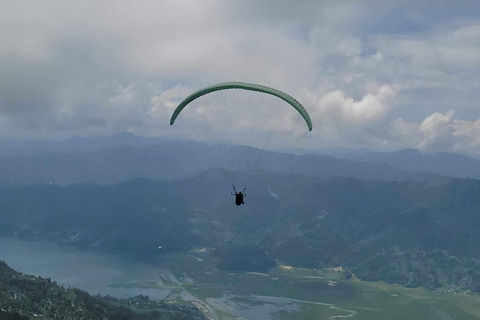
293 293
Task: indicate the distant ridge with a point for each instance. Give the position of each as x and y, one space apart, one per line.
409 160
110 160
412 160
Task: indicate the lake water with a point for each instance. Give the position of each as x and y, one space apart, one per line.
233 295
89 271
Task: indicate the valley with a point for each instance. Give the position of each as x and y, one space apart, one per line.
285 292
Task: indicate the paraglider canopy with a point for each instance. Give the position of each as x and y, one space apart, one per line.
245 86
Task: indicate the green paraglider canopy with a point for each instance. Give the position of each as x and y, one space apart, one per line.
245 86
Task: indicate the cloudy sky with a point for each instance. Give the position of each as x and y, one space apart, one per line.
376 74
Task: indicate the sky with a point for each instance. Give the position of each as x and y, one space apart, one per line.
382 75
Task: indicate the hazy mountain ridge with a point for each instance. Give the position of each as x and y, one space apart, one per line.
412 160
168 160
413 233
14 148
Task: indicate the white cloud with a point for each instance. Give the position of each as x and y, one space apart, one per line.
342 120
438 132
93 68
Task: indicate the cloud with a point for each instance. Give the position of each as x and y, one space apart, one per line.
342 120
438 132
436 70
380 74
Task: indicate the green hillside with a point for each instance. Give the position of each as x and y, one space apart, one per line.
411 233
29 297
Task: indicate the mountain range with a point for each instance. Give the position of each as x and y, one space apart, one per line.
411 160
412 233
111 160
403 217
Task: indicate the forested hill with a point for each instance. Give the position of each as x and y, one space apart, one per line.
27 297
413 233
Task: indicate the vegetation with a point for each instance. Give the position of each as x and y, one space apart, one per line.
28 297
301 293
244 258
410 233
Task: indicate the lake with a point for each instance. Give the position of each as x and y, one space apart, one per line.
89 271
284 293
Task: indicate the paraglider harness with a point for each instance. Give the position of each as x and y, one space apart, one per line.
239 196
